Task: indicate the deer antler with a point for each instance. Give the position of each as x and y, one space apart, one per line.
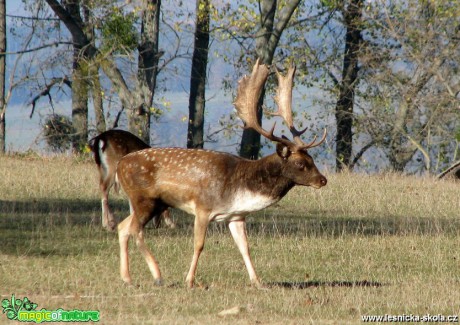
247 100
283 100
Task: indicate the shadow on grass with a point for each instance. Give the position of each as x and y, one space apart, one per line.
323 223
310 284
28 215
57 205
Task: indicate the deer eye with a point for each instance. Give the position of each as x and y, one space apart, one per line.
299 164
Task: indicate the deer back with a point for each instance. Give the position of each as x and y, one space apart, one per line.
222 184
110 146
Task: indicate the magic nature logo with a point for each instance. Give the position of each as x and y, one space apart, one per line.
25 311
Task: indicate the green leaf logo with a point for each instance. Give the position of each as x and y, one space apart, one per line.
12 307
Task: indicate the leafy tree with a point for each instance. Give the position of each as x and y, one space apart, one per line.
136 100
400 74
412 87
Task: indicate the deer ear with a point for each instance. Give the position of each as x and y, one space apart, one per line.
282 150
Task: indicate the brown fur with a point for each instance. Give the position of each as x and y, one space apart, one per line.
206 184
108 148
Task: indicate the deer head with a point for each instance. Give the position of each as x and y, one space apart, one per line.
299 164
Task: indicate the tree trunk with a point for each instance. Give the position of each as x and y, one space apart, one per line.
139 122
197 99
79 84
96 91
250 142
2 75
79 105
344 107
94 83
266 42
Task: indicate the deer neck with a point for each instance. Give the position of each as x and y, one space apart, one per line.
264 176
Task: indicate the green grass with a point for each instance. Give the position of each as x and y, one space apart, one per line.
363 245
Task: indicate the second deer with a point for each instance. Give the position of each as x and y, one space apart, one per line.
216 186
108 148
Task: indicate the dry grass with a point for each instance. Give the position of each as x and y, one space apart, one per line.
363 245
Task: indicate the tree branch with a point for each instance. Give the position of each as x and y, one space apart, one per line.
47 89
73 26
360 153
36 48
32 18
283 20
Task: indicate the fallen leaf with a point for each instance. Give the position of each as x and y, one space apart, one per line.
232 311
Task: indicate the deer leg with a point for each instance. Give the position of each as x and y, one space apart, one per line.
200 227
123 238
104 203
108 220
238 231
166 217
168 220
149 258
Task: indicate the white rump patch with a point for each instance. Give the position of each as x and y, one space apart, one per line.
103 156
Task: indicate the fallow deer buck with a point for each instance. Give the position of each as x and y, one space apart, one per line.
216 186
108 148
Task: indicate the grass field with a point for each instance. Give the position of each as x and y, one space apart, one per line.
363 245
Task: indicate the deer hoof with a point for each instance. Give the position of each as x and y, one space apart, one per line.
159 282
111 226
259 286
131 285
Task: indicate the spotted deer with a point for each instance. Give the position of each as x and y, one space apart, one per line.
108 148
216 186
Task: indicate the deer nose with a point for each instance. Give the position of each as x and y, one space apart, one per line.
323 181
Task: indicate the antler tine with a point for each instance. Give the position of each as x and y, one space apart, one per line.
247 100
312 144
